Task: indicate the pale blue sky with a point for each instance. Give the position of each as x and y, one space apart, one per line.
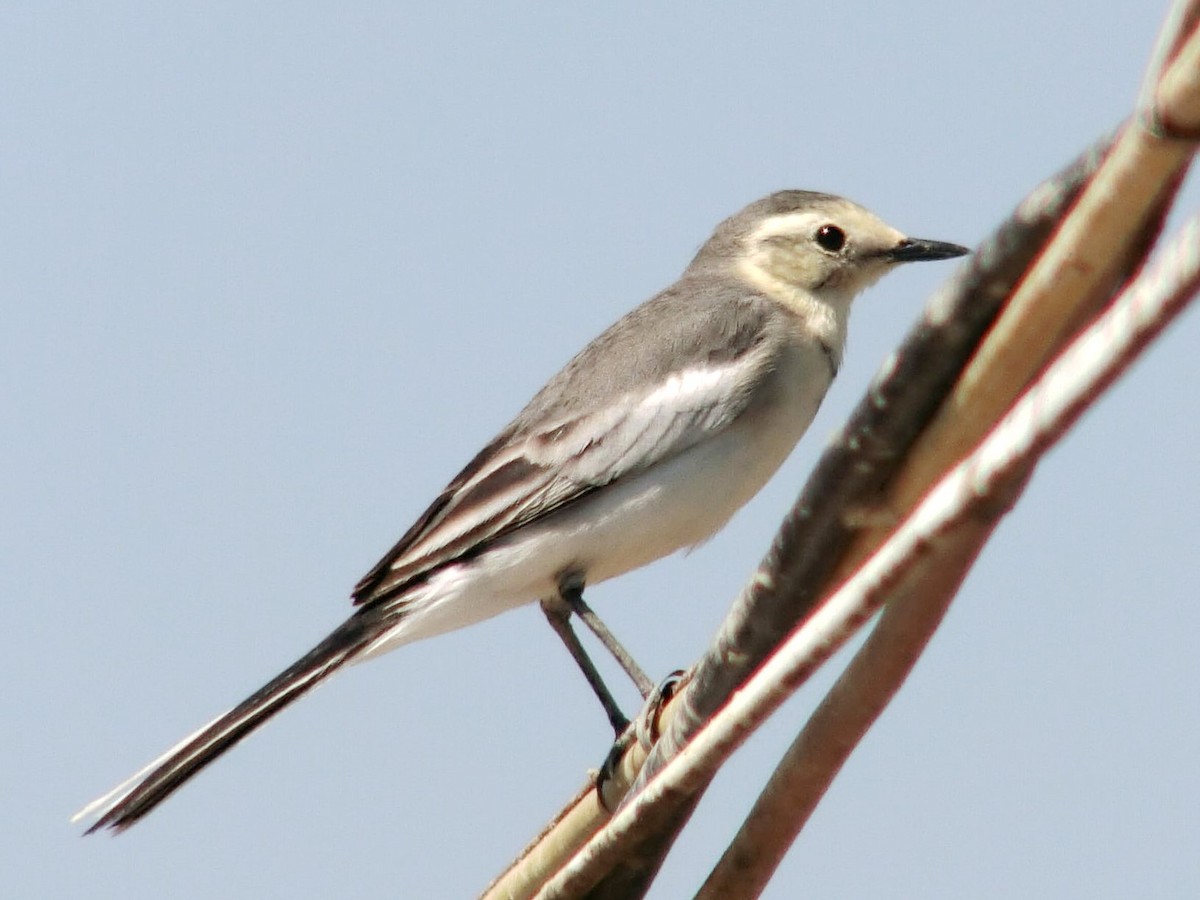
270 276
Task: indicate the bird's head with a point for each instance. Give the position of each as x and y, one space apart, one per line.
824 246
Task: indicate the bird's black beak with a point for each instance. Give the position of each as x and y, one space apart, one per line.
916 249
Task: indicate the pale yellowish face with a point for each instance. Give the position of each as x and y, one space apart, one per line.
831 253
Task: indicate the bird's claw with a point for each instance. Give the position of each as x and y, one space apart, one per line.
644 729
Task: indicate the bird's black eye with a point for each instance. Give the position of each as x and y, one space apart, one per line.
831 238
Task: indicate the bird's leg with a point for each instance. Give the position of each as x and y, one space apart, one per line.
573 596
558 613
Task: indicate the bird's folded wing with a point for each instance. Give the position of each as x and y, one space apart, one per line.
532 470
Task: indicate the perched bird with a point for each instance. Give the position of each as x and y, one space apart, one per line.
646 442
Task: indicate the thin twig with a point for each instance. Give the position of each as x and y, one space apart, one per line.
884 661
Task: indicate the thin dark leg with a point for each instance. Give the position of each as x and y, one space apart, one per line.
574 599
558 613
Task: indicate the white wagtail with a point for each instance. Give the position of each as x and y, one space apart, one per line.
646 442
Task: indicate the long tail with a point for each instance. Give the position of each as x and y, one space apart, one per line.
139 794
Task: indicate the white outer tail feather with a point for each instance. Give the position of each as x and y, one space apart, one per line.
137 795
106 802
